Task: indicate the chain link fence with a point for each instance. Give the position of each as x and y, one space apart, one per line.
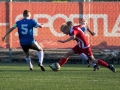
98 15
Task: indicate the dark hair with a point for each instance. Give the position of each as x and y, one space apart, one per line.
69 23
26 13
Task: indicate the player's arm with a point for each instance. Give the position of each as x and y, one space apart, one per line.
42 25
92 33
36 24
67 40
39 25
9 31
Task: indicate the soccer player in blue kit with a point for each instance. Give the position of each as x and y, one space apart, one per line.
26 38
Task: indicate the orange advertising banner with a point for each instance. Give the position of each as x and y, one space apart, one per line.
102 17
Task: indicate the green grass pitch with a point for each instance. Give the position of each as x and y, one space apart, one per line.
17 76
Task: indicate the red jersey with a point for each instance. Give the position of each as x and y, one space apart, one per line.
80 36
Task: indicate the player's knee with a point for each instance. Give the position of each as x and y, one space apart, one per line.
67 55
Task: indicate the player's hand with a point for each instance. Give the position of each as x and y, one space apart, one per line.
3 38
61 41
42 25
93 33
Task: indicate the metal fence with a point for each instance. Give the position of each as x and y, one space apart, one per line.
98 15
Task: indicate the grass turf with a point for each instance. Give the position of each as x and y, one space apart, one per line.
17 76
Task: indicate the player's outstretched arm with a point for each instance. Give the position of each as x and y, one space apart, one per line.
9 31
67 40
92 33
41 26
38 25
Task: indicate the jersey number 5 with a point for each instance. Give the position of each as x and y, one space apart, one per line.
24 29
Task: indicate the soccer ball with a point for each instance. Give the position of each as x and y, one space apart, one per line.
55 66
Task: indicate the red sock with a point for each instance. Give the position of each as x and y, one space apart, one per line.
102 63
62 61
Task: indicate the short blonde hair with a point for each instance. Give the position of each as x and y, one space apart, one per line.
63 27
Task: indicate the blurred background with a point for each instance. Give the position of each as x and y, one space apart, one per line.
102 16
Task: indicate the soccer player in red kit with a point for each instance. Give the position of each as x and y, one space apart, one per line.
82 46
84 28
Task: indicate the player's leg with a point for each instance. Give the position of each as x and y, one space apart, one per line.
73 51
103 63
36 46
88 53
88 60
63 60
28 59
83 56
95 66
84 53
66 57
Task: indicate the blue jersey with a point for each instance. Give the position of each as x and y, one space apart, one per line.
25 30
83 29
